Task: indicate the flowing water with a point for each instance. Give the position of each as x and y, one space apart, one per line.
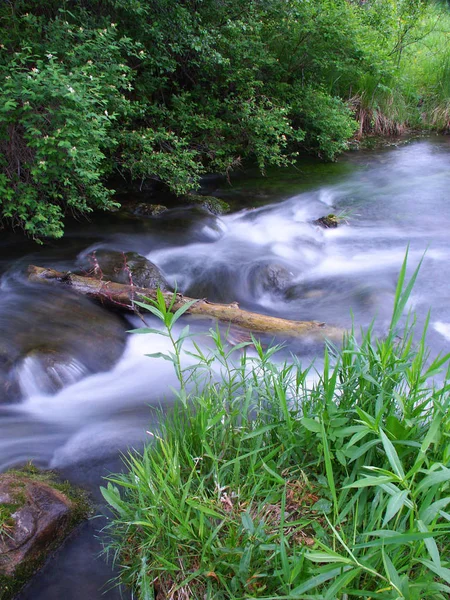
77 388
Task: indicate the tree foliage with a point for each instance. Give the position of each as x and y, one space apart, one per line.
170 89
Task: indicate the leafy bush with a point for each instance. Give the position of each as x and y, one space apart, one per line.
264 484
55 125
169 90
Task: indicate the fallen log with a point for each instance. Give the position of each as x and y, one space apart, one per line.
122 296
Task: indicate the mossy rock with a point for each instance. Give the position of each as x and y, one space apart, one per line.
330 221
210 203
36 515
143 209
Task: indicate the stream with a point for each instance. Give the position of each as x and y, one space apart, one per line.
77 388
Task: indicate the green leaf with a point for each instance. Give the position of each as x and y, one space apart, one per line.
311 424
146 591
318 580
329 467
370 481
182 310
434 478
160 355
274 474
203 509
247 523
341 582
433 510
260 431
112 497
402 296
442 572
430 543
392 455
356 451
148 330
389 537
151 309
392 572
395 504
328 557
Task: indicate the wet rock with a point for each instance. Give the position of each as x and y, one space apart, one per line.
330 221
143 209
48 340
123 267
35 517
210 203
273 278
46 371
9 387
191 224
303 292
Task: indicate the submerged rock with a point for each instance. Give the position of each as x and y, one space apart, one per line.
273 278
123 267
36 514
302 291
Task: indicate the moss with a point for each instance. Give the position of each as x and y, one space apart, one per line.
82 508
148 210
6 520
329 221
211 203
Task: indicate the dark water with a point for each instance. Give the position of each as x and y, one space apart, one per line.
82 388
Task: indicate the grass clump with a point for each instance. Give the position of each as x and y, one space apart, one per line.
265 484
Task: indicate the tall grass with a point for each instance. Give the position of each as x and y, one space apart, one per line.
414 92
266 482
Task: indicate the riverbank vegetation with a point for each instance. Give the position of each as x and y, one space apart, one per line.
273 481
172 89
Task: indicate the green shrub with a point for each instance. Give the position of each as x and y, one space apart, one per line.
55 125
172 89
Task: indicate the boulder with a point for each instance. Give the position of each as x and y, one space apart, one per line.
123 267
35 517
48 341
210 203
9 387
273 278
143 209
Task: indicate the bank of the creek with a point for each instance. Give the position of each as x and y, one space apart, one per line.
77 389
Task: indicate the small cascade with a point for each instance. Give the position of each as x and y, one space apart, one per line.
47 374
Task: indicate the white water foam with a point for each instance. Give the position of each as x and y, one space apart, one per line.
135 380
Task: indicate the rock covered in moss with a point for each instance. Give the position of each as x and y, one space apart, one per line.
36 514
142 209
330 221
210 203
